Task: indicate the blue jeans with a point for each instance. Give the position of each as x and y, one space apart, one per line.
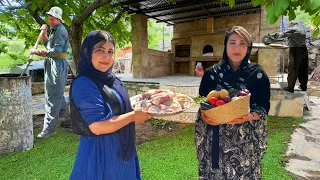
55 78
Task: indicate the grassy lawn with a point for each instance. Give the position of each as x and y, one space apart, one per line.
279 131
169 157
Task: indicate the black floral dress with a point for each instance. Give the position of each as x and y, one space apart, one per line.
234 151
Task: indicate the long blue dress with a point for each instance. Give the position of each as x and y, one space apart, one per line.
98 156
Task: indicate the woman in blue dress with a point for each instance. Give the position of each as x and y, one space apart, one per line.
107 150
234 150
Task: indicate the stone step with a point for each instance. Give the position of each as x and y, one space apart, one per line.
286 104
313 91
38 87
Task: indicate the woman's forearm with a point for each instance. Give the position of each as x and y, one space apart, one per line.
111 125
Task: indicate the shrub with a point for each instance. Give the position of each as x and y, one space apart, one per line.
3 46
16 46
6 61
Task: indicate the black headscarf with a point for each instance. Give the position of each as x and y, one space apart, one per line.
85 68
249 76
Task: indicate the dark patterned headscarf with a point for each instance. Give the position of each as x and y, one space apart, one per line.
249 76
85 68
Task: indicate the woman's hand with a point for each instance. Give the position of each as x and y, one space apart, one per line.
248 117
141 116
208 120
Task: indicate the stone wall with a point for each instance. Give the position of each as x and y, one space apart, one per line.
285 104
251 22
139 38
38 87
313 45
158 63
268 58
146 62
186 30
135 88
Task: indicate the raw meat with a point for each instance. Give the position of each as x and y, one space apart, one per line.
160 101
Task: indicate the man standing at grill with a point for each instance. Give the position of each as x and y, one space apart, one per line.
56 71
298 55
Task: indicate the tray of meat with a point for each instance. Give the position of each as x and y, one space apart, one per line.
161 102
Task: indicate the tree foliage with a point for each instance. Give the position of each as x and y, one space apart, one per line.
277 8
157 32
305 17
3 46
80 17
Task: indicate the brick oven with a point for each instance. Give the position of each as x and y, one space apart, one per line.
202 41
198 33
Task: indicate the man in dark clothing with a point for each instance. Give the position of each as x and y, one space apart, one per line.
298 55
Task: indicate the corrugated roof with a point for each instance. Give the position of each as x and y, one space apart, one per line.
186 10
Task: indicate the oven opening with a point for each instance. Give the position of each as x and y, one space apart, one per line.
207 51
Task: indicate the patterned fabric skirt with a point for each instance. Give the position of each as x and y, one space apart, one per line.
241 148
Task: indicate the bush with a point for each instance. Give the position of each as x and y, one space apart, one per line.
16 46
12 60
19 58
6 61
3 46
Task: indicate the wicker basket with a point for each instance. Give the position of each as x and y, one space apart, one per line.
229 111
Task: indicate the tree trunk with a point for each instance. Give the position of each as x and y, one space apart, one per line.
75 37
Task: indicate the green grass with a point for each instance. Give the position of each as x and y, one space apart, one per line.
279 131
169 157
166 157
51 158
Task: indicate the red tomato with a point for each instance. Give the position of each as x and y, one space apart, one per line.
220 102
213 101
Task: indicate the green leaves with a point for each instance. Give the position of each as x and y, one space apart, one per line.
316 32
22 20
3 46
315 4
292 14
285 4
256 2
316 20
307 5
279 10
271 14
67 19
231 3
73 6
